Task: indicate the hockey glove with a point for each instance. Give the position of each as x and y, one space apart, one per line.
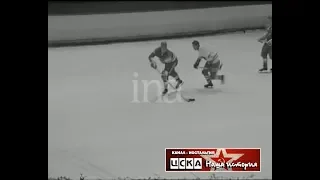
196 64
261 40
269 42
153 65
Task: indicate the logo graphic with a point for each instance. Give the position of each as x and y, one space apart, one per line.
185 163
213 159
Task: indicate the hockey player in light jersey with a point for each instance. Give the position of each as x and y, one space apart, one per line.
170 60
267 47
212 66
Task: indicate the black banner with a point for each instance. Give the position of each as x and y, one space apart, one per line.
107 7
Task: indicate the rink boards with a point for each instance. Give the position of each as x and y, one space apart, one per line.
104 28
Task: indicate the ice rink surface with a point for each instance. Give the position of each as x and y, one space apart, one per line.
94 128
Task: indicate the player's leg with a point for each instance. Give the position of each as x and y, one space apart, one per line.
216 67
264 54
173 73
165 77
270 55
206 73
222 78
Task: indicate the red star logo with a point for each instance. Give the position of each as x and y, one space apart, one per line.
221 159
221 156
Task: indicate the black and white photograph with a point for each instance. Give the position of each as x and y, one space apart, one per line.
159 90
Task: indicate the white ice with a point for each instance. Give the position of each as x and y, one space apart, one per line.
95 129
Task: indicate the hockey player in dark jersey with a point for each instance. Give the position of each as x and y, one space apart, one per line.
267 47
170 60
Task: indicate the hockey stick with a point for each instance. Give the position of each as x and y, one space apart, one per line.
175 89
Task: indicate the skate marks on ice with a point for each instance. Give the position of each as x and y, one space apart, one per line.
188 95
174 96
87 166
184 94
215 91
171 97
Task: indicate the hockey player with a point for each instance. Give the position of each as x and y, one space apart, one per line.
170 60
267 47
212 66
82 177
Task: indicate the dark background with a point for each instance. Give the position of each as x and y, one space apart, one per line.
107 7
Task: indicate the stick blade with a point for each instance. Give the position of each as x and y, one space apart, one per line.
191 100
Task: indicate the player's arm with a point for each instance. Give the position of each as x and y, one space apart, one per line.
171 57
264 37
152 62
269 42
151 56
196 64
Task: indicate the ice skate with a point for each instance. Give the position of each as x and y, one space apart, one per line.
209 85
263 70
179 84
164 92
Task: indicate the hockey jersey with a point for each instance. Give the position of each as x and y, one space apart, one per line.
165 57
208 55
